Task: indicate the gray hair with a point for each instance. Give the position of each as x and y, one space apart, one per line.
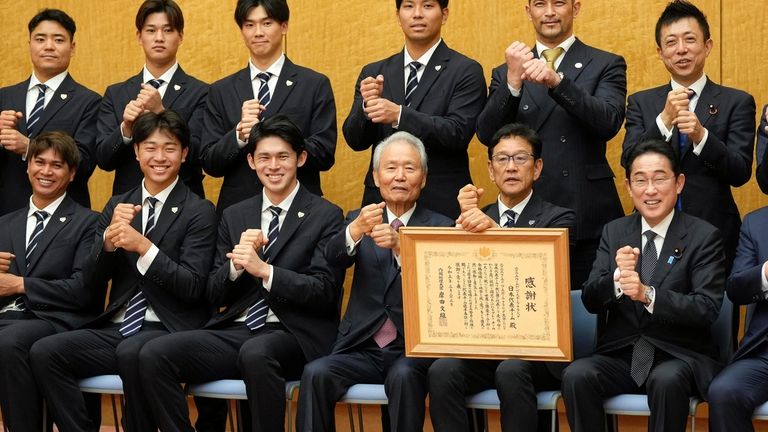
397 137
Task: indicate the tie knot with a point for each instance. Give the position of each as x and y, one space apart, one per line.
649 235
415 66
152 201
264 76
156 83
396 224
42 87
275 210
550 55
41 215
511 216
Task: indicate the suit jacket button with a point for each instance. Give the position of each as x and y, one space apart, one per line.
562 139
525 107
565 173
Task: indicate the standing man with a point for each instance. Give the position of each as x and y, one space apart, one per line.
761 172
370 342
514 164
710 127
161 85
155 243
49 100
660 302
271 84
573 96
279 298
42 251
427 89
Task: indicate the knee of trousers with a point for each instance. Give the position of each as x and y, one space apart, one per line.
443 375
578 374
254 364
513 371
44 353
316 372
724 391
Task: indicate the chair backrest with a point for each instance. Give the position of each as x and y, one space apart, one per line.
584 327
722 331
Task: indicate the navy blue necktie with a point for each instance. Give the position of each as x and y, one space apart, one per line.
37 110
41 216
156 83
264 96
413 81
681 139
643 351
511 218
257 313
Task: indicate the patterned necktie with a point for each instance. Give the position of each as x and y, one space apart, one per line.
41 216
387 333
511 218
264 96
257 313
643 351
137 306
413 81
156 83
37 110
551 55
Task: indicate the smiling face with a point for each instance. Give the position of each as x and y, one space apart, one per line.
51 48
552 19
49 176
422 21
276 164
160 157
514 181
653 186
159 40
400 176
263 36
684 50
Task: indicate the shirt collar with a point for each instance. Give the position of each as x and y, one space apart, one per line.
53 83
661 228
166 76
50 208
424 59
285 205
162 196
565 45
404 218
698 86
518 209
274 69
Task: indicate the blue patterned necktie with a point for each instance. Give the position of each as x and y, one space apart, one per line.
37 110
264 96
257 313
511 218
156 83
413 81
643 351
41 216
681 139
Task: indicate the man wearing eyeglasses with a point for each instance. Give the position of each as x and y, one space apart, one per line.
514 164
659 277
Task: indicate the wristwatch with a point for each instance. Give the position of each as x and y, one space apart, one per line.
650 294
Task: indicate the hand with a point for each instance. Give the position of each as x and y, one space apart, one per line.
538 72
628 278
123 213
469 196
245 255
688 123
150 97
250 113
9 118
382 111
5 261
475 221
370 216
11 285
765 114
122 235
516 55
14 141
371 88
386 237
626 258
254 237
677 100
132 111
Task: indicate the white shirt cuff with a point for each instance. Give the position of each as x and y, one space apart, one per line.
663 129
617 288
399 114
351 244
268 282
126 139
513 91
240 143
143 263
234 274
764 281
698 147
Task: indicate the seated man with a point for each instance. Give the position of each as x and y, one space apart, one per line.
660 303
514 164
370 346
158 279
279 298
42 250
742 386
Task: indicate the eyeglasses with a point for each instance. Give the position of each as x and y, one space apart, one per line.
657 182
501 159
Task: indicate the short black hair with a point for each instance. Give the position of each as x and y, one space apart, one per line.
57 15
677 10
278 126
518 130
276 9
443 4
168 7
169 121
653 146
59 142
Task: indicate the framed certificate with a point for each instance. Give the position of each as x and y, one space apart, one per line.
499 294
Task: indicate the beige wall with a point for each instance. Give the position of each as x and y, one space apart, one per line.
339 37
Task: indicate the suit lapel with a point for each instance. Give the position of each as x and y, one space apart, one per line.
19 242
707 106
493 212
286 82
436 66
574 61
172 208
671 251
132 87
135 199
394 83
243 85
63 95
538 95
300 209
58 221
19 103
531 213
386 262
175 88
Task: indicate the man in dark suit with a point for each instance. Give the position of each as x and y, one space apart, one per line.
161 85
429 90
49 100
370 345
711 127
278 296
158 279
514 164
575 103
271 84
42 250
660 302
761 172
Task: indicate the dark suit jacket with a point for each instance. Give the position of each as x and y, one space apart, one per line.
745 282
574 121
689 281
726 160
175 283
72 109
761 173
442 114
376 287
53 281
184 94
306 291
302 94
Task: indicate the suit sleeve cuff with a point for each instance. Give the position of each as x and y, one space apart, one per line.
764 280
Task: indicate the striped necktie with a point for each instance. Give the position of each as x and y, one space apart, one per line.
264 96
511 218
37 110
257 313
41 216
156 83
413 81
